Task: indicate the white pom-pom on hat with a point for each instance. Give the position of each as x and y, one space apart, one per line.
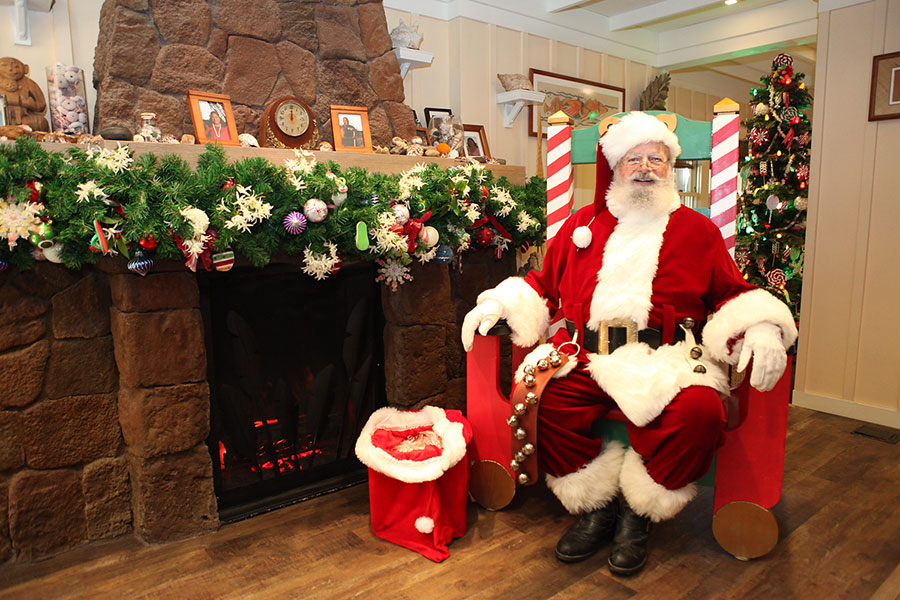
425 524
582 237
634 129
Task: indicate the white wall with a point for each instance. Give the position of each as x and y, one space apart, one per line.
849 350
68 34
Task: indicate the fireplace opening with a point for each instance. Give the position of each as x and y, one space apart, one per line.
295 369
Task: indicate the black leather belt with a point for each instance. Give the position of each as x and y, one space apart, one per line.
612 335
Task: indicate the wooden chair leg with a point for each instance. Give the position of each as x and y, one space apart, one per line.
745 530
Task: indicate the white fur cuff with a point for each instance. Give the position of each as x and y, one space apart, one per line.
735 316
592 486
526 312
648 498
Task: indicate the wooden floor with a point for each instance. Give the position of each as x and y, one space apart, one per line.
840 538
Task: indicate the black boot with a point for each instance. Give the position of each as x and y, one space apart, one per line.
629 551
589 533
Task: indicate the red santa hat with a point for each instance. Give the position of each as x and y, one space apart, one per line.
633 129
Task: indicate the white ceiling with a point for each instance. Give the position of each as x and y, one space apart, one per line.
676 35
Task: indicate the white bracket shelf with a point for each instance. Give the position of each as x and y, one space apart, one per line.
412 59
513 102
19 13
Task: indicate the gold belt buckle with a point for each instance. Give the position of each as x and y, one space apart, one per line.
631 333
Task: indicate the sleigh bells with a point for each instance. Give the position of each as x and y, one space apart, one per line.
523 420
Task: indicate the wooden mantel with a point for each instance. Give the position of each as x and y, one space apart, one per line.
379 163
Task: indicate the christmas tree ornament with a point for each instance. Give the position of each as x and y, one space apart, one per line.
140 264
444 255
339 263
228 183
801 203
148 242
315 210
374 199
223 261
3 265
783 60
402 213
98 241
742 257
776 278
294 223
484 237
759 136
429 236
42 237
484 193
773 202
362 236
53 253
582 237
761 109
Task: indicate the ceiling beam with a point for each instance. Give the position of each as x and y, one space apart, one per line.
661 10
553 6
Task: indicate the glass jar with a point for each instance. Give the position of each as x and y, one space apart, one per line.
148 129
447 130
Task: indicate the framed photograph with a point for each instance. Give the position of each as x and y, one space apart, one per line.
475 141
350 125
422 132
213 118
587 102
884 99
436 112
4 116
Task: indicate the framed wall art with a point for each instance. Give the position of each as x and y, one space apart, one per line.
587 102
475 141
884 96
213 118
350 126
436 112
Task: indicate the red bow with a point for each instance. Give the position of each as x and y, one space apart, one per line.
412 228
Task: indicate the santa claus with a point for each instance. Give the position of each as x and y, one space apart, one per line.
641 280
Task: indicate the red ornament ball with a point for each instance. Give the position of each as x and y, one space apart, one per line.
148 242
228 183
484 236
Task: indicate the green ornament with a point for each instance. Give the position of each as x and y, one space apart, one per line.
362 237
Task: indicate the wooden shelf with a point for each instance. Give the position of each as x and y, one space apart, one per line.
513 102
380 163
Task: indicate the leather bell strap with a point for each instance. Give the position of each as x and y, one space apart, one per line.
523 420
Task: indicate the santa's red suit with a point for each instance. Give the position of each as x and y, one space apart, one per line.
655 266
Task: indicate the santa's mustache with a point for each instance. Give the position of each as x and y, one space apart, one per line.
645 177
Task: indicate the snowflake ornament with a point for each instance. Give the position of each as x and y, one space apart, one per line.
17 219
392 273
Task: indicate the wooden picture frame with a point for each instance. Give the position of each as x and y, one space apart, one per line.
350 126
475 142
213 118
587 102
436 112
422 132
884 95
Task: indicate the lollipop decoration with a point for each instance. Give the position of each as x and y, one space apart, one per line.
776 278
295 223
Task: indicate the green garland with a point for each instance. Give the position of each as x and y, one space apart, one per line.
59 204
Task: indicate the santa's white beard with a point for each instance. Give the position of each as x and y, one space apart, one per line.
626 198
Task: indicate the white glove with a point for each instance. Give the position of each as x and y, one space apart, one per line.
482 317
762 342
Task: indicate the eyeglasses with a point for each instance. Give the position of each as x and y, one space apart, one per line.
636 160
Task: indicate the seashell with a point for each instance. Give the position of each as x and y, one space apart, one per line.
248 141
406 36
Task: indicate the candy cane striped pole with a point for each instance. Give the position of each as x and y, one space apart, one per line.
560 183
723 193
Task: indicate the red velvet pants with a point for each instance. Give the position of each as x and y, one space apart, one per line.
677 447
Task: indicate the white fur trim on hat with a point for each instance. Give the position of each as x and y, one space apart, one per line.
411 471
634 129
425 525
738 314
593 485
648 498
526 312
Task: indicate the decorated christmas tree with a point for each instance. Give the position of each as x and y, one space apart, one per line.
772 205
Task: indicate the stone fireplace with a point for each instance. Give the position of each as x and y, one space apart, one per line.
105 400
